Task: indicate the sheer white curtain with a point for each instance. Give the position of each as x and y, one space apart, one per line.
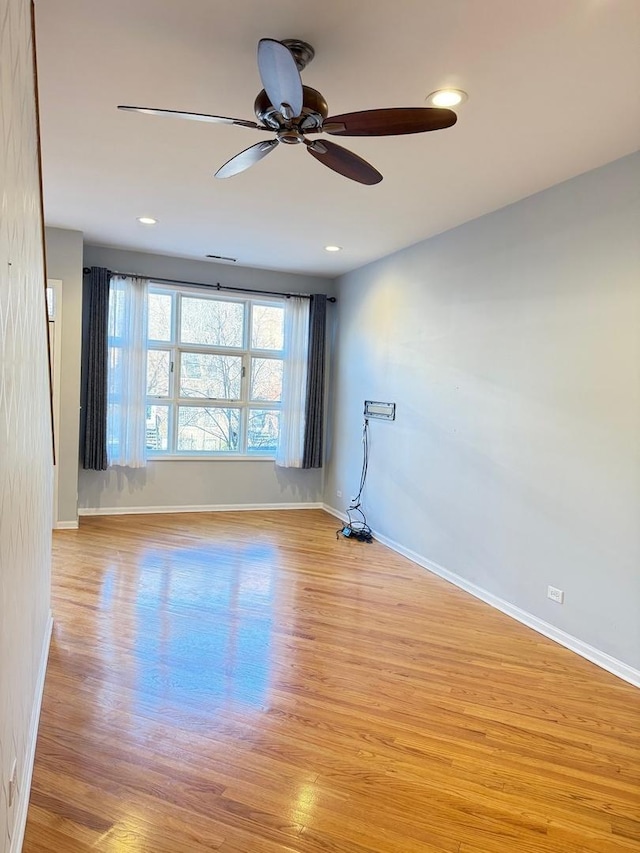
127 372
294 386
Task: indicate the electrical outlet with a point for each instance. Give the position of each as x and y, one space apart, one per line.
555 594
13 782
338 494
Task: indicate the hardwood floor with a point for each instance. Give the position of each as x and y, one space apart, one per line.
246 683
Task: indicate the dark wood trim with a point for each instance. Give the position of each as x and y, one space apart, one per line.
44 246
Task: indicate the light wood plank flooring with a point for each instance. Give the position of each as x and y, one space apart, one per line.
247 683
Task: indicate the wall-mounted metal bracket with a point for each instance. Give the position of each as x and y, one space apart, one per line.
376 409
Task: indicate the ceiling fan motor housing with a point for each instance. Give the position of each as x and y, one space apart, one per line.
314 111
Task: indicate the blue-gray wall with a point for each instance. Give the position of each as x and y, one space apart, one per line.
511 346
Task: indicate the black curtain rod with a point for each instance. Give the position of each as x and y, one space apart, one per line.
217 286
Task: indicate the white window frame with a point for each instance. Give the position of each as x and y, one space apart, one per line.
177 349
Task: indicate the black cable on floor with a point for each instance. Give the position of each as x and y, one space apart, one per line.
357 527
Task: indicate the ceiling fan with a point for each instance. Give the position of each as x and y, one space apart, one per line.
294 111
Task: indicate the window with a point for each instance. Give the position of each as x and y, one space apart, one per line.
214 374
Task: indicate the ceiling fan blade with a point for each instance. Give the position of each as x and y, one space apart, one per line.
245 159
390 122
193 116
344 162
280 77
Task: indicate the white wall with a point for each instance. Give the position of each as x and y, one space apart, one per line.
511 346
64 261
211 482
26 471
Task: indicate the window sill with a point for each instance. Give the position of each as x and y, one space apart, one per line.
210 459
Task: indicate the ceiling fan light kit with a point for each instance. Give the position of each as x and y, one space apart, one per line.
292 111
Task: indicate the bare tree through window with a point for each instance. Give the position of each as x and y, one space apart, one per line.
218 365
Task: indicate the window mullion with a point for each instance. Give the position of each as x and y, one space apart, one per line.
175 373
244 396
246 379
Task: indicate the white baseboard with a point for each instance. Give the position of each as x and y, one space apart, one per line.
601 659
65 525
333 511
22 805
160 510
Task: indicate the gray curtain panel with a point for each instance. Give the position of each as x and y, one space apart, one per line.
94 454
314 408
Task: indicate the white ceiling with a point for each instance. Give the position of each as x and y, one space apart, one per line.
554 90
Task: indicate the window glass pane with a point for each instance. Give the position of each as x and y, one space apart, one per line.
209 429
267 327
114 371
159 316
157 424
116 310
158 363
212 322
263 430
266 379
216 377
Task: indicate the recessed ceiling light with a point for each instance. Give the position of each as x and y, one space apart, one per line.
147 220
446 98
333 248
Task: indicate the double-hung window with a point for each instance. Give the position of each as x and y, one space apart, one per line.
214 374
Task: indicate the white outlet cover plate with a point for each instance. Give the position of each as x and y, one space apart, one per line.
555 594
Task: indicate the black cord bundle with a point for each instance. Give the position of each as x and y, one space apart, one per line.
358 528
